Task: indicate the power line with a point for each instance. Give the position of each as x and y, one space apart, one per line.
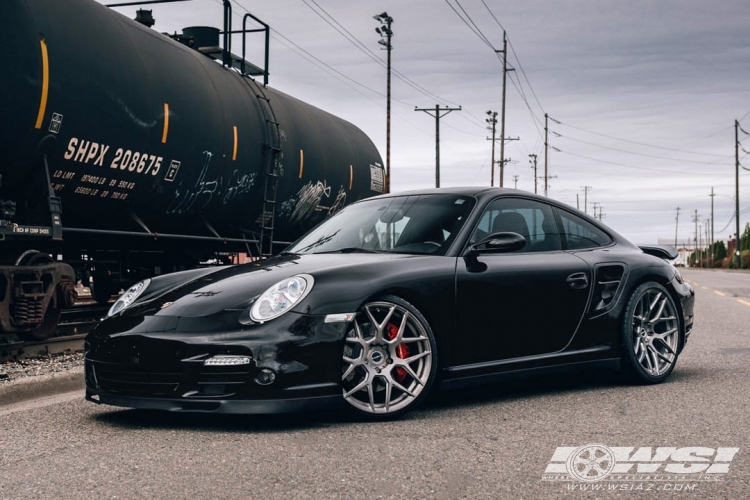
516 56
636 142
474 24
341 29
317 62
475 31
648 169
556 134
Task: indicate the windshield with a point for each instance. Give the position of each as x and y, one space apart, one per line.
416 224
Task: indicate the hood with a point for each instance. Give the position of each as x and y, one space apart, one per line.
236 287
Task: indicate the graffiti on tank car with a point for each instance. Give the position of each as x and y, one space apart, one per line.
238 185
308 200
339 202
285 209
200 194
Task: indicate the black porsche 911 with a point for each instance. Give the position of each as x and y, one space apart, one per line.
390 298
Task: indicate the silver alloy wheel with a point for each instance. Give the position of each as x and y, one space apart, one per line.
655 331
387 359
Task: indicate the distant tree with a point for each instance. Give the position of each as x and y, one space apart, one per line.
745 239
720 250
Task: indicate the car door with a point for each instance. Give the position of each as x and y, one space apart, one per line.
522 303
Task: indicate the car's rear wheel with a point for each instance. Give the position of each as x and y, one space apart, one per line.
389 359
651 334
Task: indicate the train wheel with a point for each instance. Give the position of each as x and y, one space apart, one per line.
46 329
52 315
33 258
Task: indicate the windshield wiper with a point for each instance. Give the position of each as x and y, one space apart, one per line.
350 250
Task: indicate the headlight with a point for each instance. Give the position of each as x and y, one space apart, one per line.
281 297
128 297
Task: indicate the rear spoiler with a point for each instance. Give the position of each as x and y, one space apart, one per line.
667 252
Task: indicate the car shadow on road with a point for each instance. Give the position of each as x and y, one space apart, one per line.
439 403
526 388
155 419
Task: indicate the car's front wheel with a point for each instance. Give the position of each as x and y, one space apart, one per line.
651 334
389 359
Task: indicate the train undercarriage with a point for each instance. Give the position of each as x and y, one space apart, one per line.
42 263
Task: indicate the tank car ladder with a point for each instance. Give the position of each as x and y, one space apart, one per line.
272 171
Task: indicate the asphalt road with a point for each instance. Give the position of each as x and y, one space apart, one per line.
480 444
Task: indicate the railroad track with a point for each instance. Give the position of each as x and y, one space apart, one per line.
75 323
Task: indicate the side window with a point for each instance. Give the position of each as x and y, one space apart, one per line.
580 234
533 220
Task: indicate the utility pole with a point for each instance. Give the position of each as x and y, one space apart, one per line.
737 189
515 182
386 33
676 225
533 162
713 258
709 250
437 117
504 161
492 120
737 186
546 148
695 219
502 117
547 178
596 204
585 196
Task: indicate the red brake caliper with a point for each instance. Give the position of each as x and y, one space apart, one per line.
402 350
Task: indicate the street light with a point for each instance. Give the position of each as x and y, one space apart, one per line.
386 33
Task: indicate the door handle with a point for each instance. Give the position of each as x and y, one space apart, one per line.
578 281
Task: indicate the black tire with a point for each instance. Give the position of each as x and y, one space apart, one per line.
649 349
378 382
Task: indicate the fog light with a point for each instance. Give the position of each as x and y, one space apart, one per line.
227 360
265 377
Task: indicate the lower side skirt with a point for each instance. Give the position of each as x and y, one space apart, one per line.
526 373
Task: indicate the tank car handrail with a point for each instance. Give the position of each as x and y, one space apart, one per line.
267 30
111 232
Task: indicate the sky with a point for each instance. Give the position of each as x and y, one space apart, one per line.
641 95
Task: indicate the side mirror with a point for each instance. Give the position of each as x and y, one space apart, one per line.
498 243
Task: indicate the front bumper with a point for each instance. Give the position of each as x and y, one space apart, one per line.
159 363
